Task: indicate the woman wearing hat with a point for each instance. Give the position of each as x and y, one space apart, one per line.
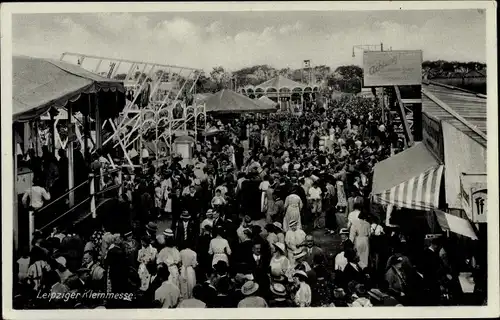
170 256
279 297
293 238
251 300
303 295
280 266
208 221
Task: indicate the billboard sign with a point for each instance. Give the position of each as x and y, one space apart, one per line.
392 68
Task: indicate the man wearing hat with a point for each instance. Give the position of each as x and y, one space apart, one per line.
79 282
279 297
185 231
151 229
251 300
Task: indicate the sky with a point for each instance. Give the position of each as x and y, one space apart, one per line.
241 39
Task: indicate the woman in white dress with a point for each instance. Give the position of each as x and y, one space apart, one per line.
359 235
293 206
280 266
219 248
293 238
170 256
187 273
146 254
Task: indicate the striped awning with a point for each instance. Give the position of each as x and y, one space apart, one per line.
410 179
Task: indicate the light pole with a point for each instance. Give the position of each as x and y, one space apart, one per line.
367 47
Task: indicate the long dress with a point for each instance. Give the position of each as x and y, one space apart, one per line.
219 247
144 256
187 273
292 240
171 257
293 206
359 234
166 186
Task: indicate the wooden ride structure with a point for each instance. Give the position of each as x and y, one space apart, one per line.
160 106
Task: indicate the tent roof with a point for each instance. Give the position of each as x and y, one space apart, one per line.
39 84
200 97
402 167
268 101
227 101
281 82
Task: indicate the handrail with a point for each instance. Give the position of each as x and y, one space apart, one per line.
105 173
63 195
62 215
109 188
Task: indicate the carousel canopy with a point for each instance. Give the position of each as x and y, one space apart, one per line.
201 97
268 101
39 84
281 82
227 101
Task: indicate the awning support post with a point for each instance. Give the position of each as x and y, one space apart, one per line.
70 155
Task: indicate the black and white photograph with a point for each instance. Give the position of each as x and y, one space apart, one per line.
249 155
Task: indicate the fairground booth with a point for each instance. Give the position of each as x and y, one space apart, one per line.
438 185
435 187
58 110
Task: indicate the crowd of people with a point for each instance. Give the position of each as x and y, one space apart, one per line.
272 212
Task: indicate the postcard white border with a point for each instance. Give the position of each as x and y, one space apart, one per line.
7 9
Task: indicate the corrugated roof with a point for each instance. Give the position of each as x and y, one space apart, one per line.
469 106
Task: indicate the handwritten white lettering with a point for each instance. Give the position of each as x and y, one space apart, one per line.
381 65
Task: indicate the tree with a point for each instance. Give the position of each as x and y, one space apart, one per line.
285 72
349 72
321 72
221 77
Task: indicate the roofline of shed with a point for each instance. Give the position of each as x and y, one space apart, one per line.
479 95
457 116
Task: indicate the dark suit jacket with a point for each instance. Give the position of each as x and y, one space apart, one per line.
432 269
317 253
192 233
350 274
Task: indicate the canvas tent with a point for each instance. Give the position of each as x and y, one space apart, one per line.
227 101
268 101
39 84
